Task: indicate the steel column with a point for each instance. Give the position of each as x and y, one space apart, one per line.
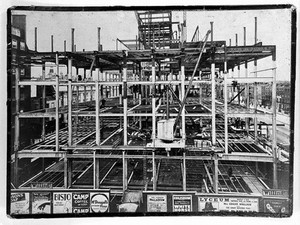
255 85
43 99
17 127
57 105
213 103
125 179
184 171
274 130
72 39
153 102
125 101
70 99
216 174
154 178
225 93
97 105
182 99
35 39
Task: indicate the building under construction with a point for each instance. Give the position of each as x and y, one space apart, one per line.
163 125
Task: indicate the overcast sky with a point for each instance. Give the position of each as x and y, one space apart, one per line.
274 28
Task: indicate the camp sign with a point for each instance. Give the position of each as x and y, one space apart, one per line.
59 202
231 204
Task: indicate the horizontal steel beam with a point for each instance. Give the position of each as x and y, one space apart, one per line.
231 157
249 115
243 80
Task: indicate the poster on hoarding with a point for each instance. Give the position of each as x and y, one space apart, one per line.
182 203
99 202
230 204
41 203
62 202
19 203
81 202
276 205
157 203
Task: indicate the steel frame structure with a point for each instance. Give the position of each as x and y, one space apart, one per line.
216 56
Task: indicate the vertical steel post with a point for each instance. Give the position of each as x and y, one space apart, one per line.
184 171
213 105
216 174
225 104
84 87
70 99
182 98
67 172
35 39
17 127
51 43
57 105
97 105
72 39
43 100
212 32
274 128
125 102
154 171
153 102
96 169
247 87
65 45
213 94
255 85
125 179
99 45
140 95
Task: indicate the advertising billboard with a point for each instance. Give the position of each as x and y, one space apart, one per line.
41 203
156 203
19 203
81 202
230 204
99 202
62 202
182 203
